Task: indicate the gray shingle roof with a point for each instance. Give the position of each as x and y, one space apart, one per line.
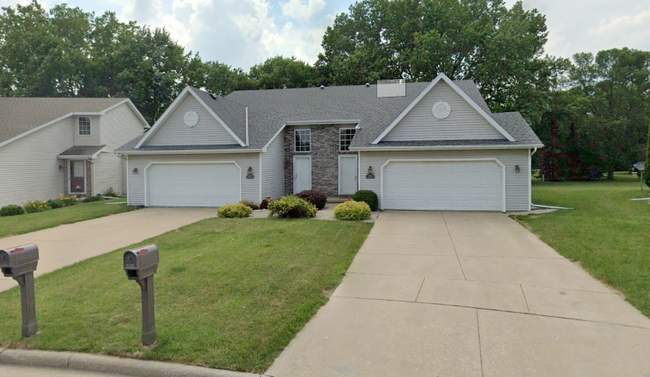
270 109
82 150
20 114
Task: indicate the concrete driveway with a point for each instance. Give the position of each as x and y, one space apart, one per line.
467 294
69 244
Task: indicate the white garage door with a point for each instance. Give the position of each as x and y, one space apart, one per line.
193 185
443 185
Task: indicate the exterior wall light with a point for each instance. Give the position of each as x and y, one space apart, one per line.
517 169
135 171
370 174
249 173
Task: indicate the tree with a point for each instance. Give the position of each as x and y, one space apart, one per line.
499 48
279 72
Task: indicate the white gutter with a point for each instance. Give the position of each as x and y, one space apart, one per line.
247 144
534 150
318 122
207 151
443 147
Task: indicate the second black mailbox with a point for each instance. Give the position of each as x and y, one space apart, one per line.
141 263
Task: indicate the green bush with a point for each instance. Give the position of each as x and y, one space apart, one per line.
55 203
95 198
69 200
292 206
235 210
11 210
368 197
33 206
352 211
317 198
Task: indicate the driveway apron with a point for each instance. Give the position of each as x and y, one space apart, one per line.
467 294
68 244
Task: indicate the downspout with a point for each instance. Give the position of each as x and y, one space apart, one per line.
534 150
247 126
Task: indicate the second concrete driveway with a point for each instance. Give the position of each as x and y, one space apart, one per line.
467 294
68 244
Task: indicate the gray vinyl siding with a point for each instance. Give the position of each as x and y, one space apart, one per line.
273 169
517 184
463 123
108 170
250 187
174 131
119 126
30 168
95 131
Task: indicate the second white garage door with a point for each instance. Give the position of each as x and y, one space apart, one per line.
443 185
193 185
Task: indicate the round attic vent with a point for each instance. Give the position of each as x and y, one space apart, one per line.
441 110
191 118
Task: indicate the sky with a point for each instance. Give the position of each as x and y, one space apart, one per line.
242 33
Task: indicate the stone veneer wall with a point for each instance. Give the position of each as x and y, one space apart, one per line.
324 157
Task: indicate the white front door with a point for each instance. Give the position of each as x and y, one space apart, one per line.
301 173
347 174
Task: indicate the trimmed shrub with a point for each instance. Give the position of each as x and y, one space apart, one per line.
317 198
33 206
292 206
352 211
95 198
250 205
368 197
12 210
235 210
55 203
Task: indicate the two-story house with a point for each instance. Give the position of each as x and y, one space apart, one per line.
52 146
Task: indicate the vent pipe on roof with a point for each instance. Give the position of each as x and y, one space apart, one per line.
246 125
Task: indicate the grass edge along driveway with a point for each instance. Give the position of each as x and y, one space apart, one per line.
31 222
230 294
606 233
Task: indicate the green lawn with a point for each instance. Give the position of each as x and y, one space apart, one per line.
230 293
31 222
605 232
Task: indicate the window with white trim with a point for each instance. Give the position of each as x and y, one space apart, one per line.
84 126
345 138
302 140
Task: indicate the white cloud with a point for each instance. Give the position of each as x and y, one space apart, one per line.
302 9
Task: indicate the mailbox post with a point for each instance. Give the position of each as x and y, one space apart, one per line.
140 265
20 263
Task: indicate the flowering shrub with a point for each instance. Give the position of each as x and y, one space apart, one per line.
32 206
235 210
110 192
249 204
292 206
69 200
352 211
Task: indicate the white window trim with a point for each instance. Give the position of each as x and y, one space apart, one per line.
90 126
340 132
295 135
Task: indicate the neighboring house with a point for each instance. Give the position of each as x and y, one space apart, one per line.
52 146
433 145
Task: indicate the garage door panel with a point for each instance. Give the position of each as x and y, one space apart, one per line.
442 185
193 185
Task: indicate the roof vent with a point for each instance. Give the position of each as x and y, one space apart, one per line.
322 87
367 85
391 88
213 96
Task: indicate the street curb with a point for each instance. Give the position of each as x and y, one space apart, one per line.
110 364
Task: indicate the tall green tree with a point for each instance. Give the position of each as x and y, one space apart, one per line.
499 48
279 72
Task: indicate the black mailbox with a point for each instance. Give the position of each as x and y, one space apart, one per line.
141 263
19 260
20 263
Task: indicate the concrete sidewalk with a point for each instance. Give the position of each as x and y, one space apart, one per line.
69 244
467 294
